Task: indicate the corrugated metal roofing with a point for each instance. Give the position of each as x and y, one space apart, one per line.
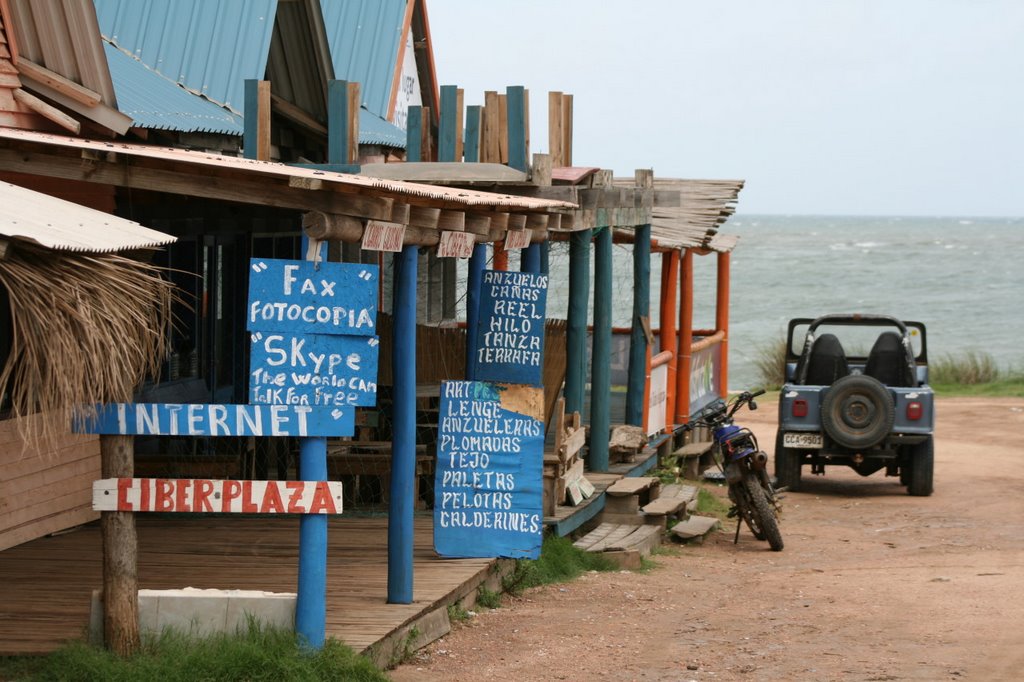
63 225
154 101
375 130
211 48
452 195
364 36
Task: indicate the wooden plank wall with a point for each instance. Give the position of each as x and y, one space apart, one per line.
44 491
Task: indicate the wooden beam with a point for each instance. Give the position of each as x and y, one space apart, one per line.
478 223
46 111
567 130
452 221
226 187
540 172
79 93
423 217
332 227
297 115
120 555
491 147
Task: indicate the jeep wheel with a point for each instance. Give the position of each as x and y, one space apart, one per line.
922 466
787 466
857 411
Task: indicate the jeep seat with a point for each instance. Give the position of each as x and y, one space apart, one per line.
890 363
823 363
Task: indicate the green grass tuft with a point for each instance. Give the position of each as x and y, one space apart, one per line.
709 504
559 562
260 653
488 599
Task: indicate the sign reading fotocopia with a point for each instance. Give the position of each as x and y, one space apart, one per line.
490 454
510 338
303 297
194 419
313 369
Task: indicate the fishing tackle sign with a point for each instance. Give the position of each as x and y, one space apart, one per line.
488 480
510 334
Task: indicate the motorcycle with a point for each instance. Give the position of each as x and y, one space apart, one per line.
743 464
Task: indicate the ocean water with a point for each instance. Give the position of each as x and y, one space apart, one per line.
962 277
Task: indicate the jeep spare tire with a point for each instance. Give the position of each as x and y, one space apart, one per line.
857 411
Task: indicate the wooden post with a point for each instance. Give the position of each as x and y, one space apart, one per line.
120 554
471 152
669 340
600 367
722 319
500 260
448 132
403 447
636 387
555 129
311 590
685 338
491 146
414 134
478 261
518 126
256 133
576 320
343 122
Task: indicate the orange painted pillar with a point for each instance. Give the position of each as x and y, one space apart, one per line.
500 261
722 319
669 340
685 338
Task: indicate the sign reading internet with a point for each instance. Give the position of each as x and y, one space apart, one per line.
194 419
490 454
510 335
324 298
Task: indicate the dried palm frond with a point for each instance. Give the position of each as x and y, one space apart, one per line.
86 329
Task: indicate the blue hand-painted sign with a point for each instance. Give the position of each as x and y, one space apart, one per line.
490 456
299 296
510 340
313 369
170 419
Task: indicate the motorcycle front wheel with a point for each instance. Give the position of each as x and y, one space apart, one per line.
759 514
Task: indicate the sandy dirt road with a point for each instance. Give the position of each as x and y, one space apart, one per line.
873 585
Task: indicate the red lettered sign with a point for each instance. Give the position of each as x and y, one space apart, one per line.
456 244
517 239
203 495
382 236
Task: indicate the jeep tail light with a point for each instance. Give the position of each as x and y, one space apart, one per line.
914 410
800 408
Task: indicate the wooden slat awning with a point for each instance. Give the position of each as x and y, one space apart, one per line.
704 205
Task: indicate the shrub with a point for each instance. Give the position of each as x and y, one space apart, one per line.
771 364
971 367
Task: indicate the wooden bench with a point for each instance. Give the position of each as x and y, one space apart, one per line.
624 544
625 497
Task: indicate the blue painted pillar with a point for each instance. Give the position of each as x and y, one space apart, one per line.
637 380
576 321
477 264
545 250
403 445
311 593
414 133
529 260
600 369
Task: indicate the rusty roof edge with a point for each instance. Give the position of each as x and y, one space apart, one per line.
464 197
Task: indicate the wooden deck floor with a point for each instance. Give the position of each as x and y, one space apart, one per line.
45 585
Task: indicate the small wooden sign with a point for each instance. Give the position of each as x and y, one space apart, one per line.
382 236
517 239
456 244
510 340
202 495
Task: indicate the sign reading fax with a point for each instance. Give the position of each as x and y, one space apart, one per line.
303 297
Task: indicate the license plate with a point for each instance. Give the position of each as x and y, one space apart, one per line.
802 440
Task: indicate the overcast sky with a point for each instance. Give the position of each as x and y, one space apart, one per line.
884 107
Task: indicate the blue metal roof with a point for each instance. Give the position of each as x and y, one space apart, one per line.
211 48
155 101
375 130
364 36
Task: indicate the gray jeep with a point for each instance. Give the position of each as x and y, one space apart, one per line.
856 394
